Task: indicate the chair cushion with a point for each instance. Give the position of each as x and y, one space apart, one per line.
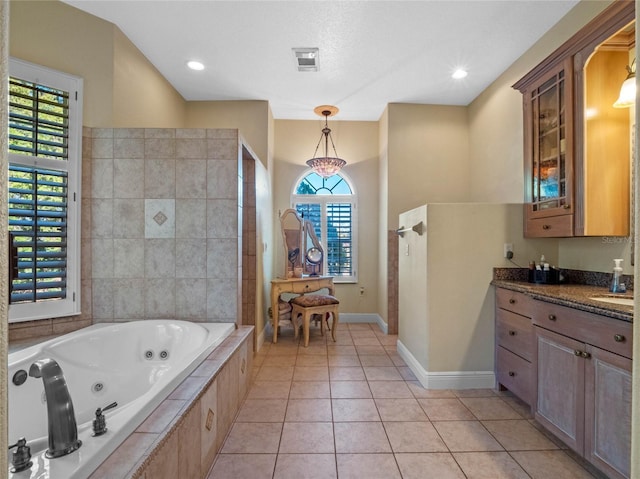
310 300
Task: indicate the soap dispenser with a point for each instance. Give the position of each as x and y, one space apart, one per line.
617 286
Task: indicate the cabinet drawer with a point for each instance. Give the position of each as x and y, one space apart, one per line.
515 374
515 333
302 287
549 227
606 333
513 301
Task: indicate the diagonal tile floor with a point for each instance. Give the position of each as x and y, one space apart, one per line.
353 409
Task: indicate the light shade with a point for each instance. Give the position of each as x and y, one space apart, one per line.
627 93
326 165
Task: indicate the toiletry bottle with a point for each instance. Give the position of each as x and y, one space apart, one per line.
616 282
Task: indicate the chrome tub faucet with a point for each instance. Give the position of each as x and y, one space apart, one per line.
63 430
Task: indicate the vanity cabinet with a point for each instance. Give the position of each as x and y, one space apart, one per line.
583 381
514 344
577 147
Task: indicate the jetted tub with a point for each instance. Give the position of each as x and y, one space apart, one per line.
136 364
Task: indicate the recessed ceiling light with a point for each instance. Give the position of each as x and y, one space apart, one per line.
194 65
459 73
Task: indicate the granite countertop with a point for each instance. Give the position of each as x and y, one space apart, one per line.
577 296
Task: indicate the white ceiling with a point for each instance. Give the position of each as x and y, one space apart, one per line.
371 52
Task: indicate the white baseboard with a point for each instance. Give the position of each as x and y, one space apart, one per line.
364 318
447 379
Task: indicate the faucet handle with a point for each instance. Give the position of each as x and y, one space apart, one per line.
100 423
21 459
110 406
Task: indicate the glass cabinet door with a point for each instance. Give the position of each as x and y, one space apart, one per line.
549 173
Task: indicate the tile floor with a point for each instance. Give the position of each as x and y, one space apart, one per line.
353 409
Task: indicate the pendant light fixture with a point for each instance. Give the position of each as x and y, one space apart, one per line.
326 165
628 90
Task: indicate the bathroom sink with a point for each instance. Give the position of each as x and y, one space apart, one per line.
614 300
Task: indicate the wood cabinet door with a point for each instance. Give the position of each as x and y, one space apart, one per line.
548 144
608 412
560 387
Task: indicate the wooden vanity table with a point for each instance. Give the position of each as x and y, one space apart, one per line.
306 284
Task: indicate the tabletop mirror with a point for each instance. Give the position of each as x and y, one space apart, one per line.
303 253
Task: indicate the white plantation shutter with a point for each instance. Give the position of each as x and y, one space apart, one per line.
44 192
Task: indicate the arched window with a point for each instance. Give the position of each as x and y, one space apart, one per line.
330 204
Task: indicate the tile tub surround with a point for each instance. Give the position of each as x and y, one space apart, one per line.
183 435
352 409
164 209
160 216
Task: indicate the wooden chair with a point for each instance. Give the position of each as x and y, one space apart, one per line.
309 304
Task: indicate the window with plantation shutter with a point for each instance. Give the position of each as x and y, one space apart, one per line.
43 192
330 205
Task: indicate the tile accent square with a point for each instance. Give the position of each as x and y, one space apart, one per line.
159 218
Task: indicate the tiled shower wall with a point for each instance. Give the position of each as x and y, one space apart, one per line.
163 239
249 257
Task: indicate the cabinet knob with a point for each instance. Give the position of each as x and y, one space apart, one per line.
577 352
546 227
512 301
512 333
552 317
619 338
585 354
566 207
512 373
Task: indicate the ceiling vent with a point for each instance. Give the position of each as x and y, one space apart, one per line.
307 59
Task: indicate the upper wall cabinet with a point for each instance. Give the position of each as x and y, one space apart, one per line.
577 146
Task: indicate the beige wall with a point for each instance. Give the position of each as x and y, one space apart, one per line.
496 153
142 96
446 301
250 117
71 41
428 157
121 87
357 143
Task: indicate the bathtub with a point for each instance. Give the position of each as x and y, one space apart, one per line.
137 364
